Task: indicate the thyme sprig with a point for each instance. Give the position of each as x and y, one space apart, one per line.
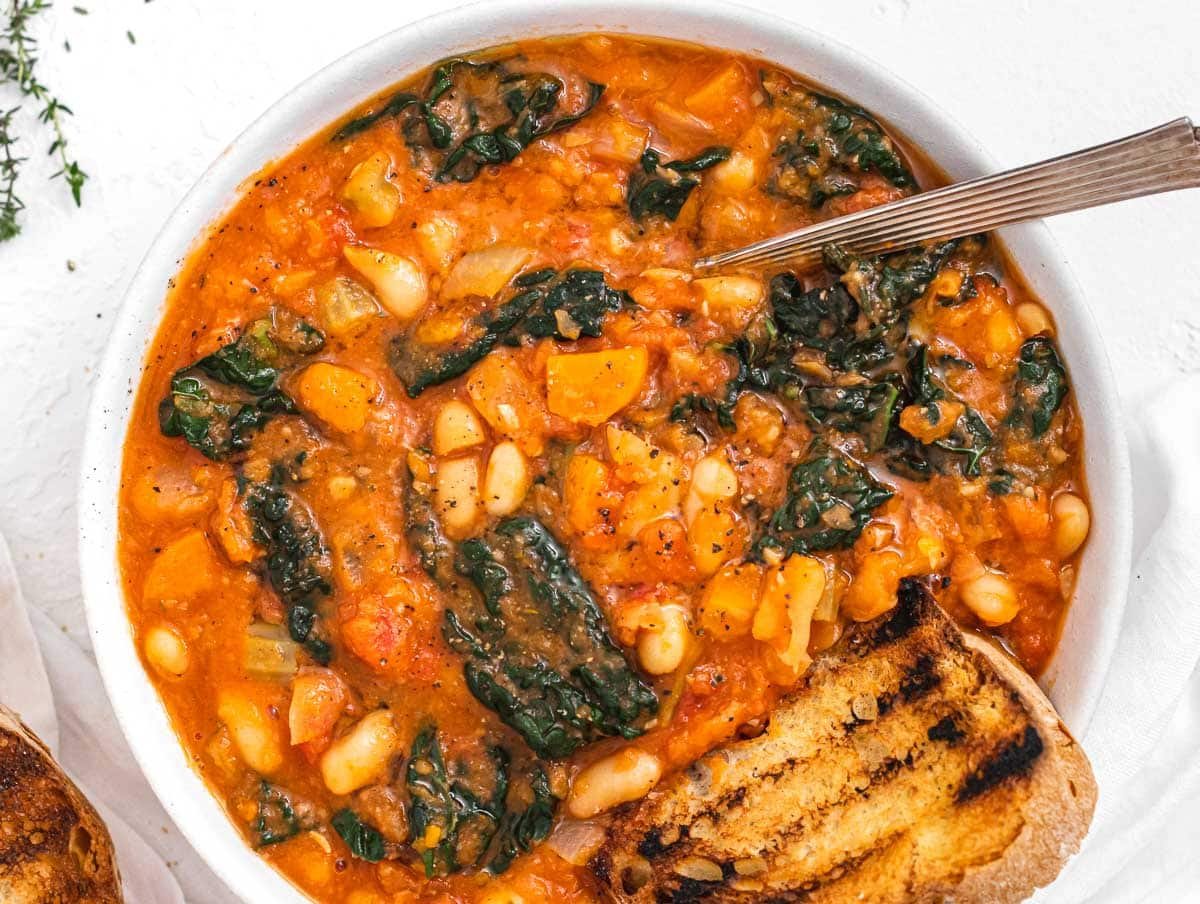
18 66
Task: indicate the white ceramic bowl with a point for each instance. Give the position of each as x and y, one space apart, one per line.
1076 675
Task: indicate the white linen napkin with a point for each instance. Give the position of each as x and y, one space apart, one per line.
1144 741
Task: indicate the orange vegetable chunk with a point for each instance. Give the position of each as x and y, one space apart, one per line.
339 396
590 388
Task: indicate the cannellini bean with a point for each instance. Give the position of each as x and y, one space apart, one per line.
615 779
369 192
341 487
1033 319
737 174
506 480
730 292
991 597
361 756
254 734
457 427
713 480
166 650
1072 520
399 284
457 493
661 648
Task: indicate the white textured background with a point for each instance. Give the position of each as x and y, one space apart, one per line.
1029 79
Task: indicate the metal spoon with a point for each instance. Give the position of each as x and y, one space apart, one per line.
1162 159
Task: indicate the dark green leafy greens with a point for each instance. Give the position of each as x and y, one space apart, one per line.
829 147
537 646
364 840
829 501
297 560
474 114
546 304
276 820
971 437
863 408
661 188
1040 386
459 820
221 401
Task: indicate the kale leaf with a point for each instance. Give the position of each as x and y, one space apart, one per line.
276 820
865 408
830 146
364 840
475 114
539 653
829 501
297 560
971 437
1040 386
219 403
546 304
460 821
658 188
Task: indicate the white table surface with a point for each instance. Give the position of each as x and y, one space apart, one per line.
1028 78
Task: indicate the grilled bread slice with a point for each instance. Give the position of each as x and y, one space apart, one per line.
912 763
53 845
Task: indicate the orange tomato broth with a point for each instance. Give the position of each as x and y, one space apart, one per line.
191 565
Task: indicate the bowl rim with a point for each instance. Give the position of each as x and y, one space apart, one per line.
367 70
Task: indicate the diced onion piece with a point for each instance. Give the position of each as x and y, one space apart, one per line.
344 306
399 283
506 481
318 698
485 272
270 653
576 841
616 779
590 388
166 650
368 191
457 494
361 756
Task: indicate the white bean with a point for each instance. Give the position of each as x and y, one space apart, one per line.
457 427
361 756
1072 521
458 495
661 648
254 735
991 597
506 481
399 283
166 650
615 779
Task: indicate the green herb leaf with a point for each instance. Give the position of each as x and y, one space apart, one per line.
1040 386
364 840
829 501
656 187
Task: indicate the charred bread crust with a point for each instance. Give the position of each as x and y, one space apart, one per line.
53 845
912 763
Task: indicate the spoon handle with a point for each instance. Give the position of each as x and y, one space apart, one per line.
1161 159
